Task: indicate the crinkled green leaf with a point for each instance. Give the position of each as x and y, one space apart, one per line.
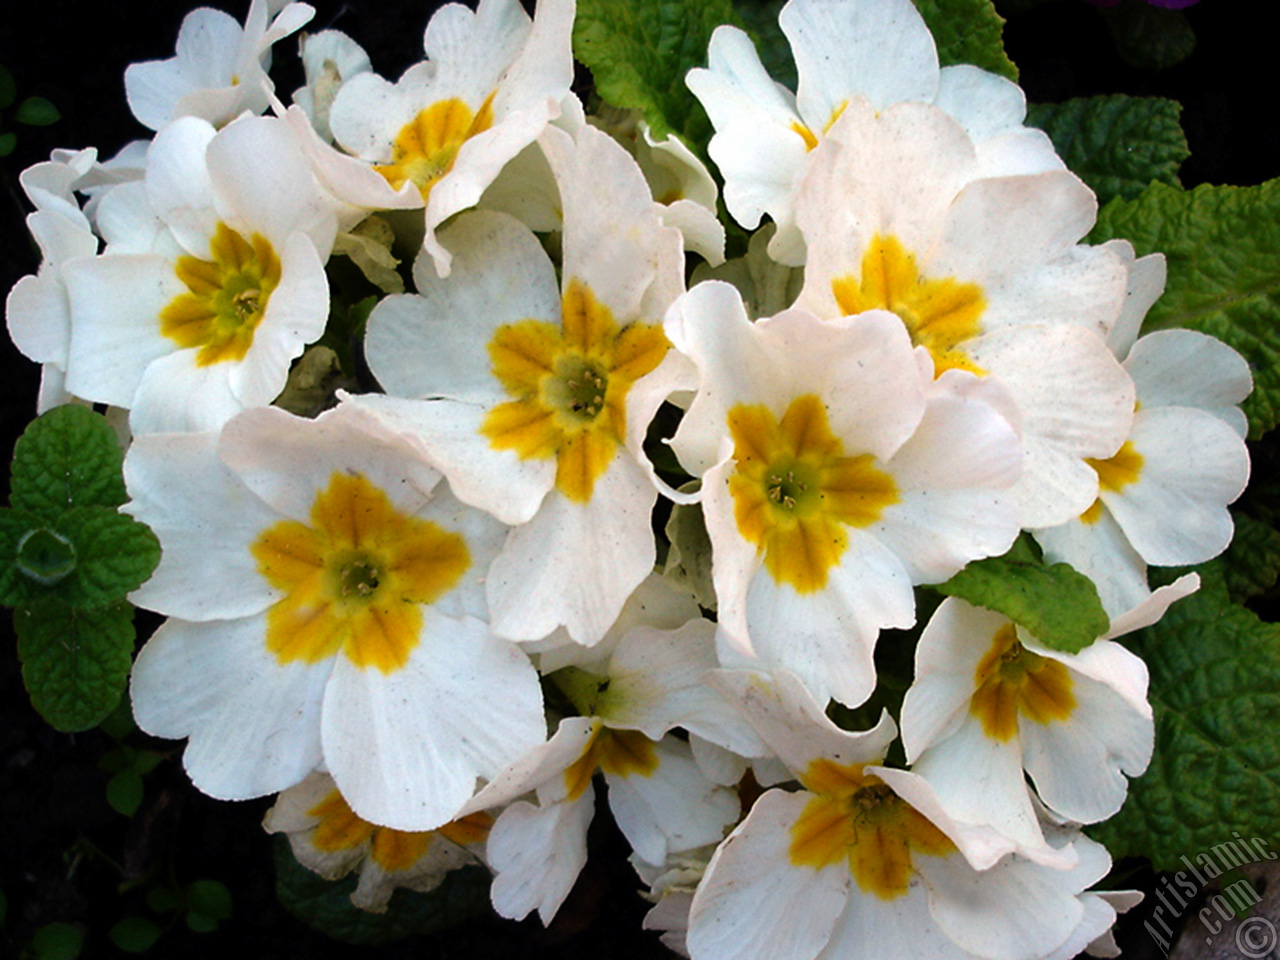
1149 37
74 662
68 457
1059 606
37 112
639 51
1215 691
968 31
114 555
1116 144
1251 564
326 904
1223 249
15 525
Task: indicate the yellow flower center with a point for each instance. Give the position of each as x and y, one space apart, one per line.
794 490
226 297
340 828
1011 680
570 385
939 313
623 753
426 147
856 817
355 580
1114 474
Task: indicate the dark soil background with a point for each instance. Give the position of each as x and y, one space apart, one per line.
65 855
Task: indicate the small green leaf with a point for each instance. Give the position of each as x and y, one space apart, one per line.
1251 564
68 457
37 112
1116 144
210 898
144 761
1215 691
639 51
163 899
1222 245
135 934
1059 606
8 89
119 723
45 556
57 941
116 554
74 662
7 143
326 904
968 31
124 792
1148 37
4 901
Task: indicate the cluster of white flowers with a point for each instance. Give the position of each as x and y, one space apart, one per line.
366 607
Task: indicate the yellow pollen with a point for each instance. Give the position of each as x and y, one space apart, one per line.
341 828
426 147
570 385
226 297
794 490
1011 681
857 818
808 136
355 580
940 313
623 753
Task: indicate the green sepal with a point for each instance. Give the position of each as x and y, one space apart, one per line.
968 31
639 51
1056 604
1118 145
1215 692
1222 245
326 904
75 663
67 457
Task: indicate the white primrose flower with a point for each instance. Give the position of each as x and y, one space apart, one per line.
1163 496
984 272
989 702
863 854
440 135
38 311
326 604
212 280
329 59
652 682
220 70
329 838
534 395
836 474
879 50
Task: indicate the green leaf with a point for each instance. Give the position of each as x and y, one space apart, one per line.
7 143
134 934
326 904
45 556
1116 144
1223 249
639 51
116 554
1215 691
8 89
57 941
74 662
1148 37
968 31
1056 604
163 899
124 792
210 898
15 588
68 457
37 112
1251 564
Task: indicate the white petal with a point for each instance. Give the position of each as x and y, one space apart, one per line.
1187 368
537 854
